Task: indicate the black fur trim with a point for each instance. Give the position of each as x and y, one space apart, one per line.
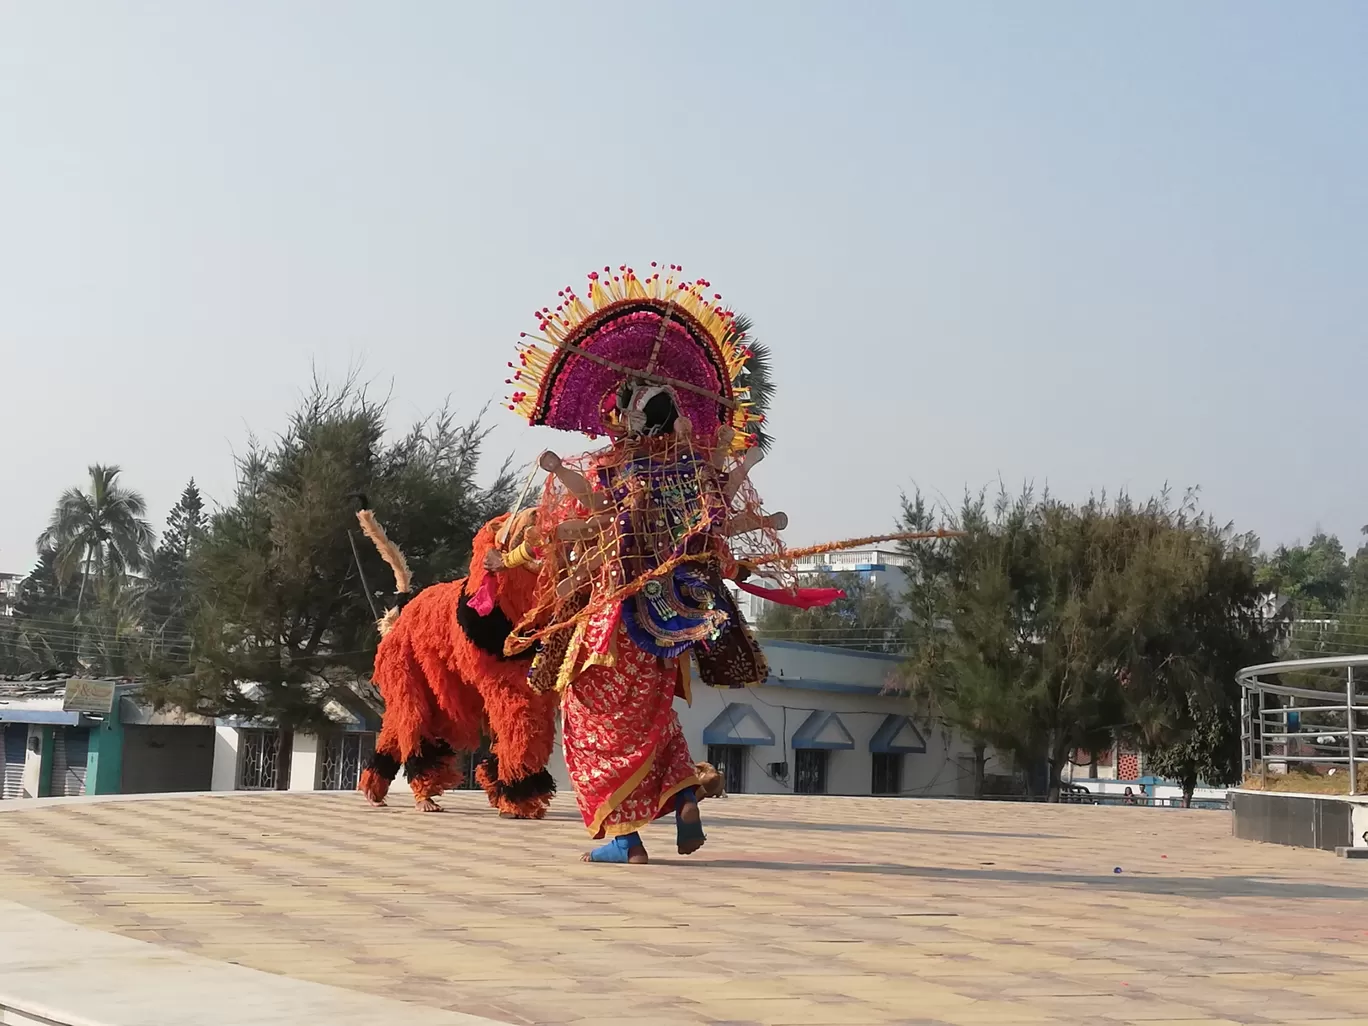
487 633
427 757
386 765
539 785
536 785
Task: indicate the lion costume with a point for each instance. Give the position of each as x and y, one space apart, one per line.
445 680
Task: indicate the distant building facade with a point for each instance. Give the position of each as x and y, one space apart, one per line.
825 722
879 566
9 592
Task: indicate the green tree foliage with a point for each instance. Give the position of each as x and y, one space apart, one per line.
1314 576
80 608
42 633
1052 627
98 534
970 689
758 378
278 600
170 596
870 617
1182 696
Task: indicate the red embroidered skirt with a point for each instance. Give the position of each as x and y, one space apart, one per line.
624 748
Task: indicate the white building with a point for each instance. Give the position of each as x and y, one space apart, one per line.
9 592
823 723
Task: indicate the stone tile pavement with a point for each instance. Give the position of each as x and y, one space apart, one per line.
799 910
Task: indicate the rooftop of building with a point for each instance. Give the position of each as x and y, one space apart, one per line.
799 910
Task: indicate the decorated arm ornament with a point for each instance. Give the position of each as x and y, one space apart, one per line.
523 555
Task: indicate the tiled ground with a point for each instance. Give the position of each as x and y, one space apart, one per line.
799 910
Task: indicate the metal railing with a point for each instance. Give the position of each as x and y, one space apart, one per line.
1313 728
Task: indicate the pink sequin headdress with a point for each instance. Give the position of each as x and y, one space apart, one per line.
628 329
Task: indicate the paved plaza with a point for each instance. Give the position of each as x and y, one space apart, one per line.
799 910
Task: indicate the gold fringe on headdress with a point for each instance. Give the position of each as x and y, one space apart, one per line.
664 285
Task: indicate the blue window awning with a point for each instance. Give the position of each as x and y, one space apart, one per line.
823 730
897 735
738 724
46 717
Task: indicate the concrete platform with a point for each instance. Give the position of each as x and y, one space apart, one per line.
799 911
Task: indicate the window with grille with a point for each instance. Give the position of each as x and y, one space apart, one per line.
887 774
341 757
730 762
260 760
810 770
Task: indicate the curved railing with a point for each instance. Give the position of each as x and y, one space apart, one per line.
1321 729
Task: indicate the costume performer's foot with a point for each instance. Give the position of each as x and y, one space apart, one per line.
625 849
688 824
375 803
427 805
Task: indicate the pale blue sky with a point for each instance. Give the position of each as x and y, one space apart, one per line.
1095 245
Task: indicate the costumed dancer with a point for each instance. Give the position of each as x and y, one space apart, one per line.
445 679
635 590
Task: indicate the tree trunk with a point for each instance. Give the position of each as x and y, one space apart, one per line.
85 576
980 758
1189 785
1058 756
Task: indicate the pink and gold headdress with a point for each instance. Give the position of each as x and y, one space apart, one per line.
658 329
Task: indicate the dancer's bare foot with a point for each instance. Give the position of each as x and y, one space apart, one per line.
690 829
427 805
375 803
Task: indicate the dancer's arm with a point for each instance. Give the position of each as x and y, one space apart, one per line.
744 523
725 434
740 472
575 483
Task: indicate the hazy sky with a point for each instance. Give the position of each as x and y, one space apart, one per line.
1094 245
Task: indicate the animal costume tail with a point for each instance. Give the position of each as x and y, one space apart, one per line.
414 731
391 554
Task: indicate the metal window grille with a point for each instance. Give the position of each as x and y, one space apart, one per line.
886 777
810 770
340 759
730 762
260 760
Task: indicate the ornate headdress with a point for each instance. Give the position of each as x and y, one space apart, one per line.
630 333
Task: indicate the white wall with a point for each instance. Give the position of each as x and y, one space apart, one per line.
789 661
226 742
305 762
941 770
33 761
936 772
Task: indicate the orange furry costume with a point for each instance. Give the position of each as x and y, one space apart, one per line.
441 670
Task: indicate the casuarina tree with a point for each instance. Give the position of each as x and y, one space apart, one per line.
283 611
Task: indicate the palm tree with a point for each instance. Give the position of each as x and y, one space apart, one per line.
98 534
758 377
